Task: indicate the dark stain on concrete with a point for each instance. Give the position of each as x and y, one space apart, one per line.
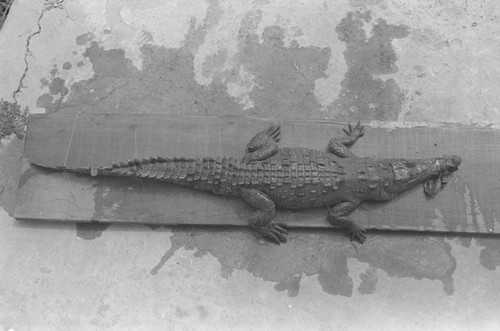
239 249
110 64
163 260
203 312
196 35
284 76
490 254
90 231
290 284
368 281
84 38
333 275
214 64
57 86
413 257
322 254
52 100
363 96
67 65
181 313
45 101
249 24
44 82
166 84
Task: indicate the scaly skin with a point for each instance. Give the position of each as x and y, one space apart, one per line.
269 177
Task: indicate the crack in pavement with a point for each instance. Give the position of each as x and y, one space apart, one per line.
48 5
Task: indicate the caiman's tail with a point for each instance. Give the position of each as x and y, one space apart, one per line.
218 175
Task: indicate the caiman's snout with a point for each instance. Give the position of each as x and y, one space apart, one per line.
457 160
446 166
452 162
431 172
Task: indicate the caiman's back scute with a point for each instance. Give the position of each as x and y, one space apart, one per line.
268 177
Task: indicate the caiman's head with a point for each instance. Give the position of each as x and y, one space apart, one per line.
431 172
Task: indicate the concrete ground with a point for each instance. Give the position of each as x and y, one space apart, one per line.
384 62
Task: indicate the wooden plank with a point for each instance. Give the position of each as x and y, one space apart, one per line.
469 203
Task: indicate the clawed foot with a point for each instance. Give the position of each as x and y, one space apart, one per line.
357 233
356 132
274 231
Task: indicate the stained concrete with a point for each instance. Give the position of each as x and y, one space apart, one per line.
363 94
380 61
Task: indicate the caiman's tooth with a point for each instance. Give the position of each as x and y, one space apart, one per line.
145 161
115 165
130 172
152 174
159 175
144 173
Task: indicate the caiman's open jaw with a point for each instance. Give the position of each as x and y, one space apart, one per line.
446 166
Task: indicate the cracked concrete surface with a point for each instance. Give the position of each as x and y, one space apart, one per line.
28 53
47 5
385 62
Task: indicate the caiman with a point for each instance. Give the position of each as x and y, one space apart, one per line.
269 177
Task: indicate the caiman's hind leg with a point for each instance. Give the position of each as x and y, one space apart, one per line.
260 220
339 146
264 144
338 217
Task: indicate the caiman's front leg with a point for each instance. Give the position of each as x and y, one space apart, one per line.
339 146
338 217
260 220
264 144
